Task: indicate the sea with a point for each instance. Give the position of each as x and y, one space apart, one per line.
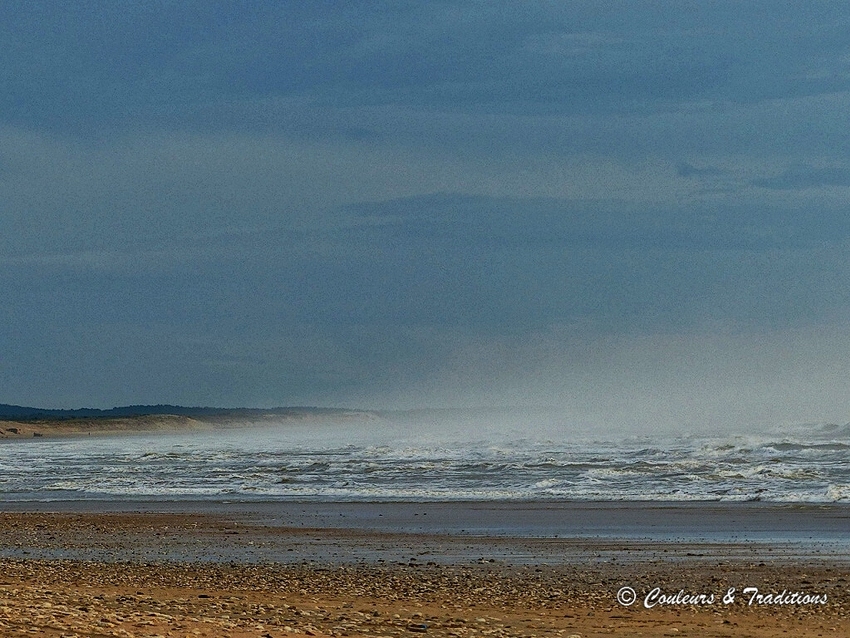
401 460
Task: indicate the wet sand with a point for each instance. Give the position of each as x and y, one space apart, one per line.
553 529
248 572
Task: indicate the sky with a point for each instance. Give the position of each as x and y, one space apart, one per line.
633 212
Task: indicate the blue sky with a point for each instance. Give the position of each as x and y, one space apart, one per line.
635 212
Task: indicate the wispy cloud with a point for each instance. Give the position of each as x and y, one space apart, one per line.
685 169
617 225
801 177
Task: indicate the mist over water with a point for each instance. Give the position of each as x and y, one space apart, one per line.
433 455
715 379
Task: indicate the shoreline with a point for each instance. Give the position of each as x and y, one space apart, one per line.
265 568
717 521
298 535
191 573
29 430
12 429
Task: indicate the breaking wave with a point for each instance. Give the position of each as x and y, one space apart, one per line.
368 462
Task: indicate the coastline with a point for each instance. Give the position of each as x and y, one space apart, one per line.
241 566
183 569
26 429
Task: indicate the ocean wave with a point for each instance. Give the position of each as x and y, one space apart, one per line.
804 464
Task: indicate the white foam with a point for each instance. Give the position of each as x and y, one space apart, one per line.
392 464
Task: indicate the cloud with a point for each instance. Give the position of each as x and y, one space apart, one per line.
87 69
332 199
684 169
617 225
801 177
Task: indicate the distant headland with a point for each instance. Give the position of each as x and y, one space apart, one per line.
29 422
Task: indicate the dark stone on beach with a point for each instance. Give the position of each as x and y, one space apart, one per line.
36 434
12 430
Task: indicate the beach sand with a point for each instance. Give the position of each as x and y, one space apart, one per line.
148 573
51 428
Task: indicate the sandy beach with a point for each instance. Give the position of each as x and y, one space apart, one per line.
127 566
459 318
50 428
243 573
